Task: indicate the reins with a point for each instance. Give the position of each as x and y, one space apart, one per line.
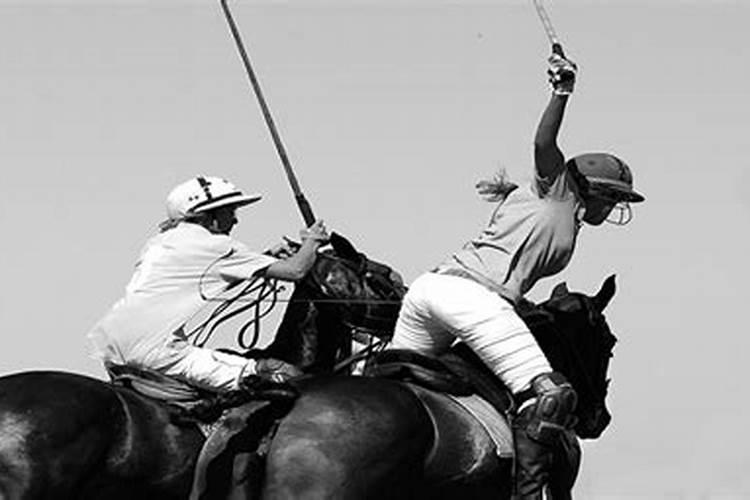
264 289
266 293
365 353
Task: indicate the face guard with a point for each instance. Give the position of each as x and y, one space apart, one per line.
621 212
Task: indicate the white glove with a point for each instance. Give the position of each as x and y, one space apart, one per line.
562 74
285 249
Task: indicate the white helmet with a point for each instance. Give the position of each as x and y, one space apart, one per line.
201 194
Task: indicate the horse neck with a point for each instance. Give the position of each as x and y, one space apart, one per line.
309 335
296 338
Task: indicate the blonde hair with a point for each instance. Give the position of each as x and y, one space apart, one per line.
496 188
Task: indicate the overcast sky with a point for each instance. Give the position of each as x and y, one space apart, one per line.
390 112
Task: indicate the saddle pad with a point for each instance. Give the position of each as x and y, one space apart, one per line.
494 423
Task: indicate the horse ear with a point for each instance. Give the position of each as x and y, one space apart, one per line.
560 290
605 294
344 248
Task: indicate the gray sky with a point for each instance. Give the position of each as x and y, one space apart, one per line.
390 112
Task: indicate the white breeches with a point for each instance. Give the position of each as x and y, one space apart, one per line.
201 367
439 308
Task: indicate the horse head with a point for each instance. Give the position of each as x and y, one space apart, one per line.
579 344
344 294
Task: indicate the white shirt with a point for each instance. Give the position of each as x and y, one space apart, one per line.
176 274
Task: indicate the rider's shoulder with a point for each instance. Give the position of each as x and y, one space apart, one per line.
196 236
187 234
226 244
558 187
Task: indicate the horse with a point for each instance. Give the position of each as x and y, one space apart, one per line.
358 437
64 435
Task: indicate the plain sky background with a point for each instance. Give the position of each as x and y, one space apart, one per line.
391 111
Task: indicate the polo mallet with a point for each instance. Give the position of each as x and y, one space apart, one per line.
548 28
302 203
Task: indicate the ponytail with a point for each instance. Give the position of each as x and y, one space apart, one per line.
497 188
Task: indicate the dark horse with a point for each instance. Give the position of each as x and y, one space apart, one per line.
355 437
64 435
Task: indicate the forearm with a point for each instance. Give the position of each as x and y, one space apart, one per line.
295 267
550 122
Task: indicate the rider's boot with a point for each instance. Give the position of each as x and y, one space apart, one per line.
276 370
539 431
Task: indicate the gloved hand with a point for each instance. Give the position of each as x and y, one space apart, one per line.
276 370
284 249
562 74
270 381
315 232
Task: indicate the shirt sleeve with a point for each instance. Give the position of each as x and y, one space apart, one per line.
559 187
241 263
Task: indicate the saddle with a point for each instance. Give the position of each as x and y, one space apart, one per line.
458 372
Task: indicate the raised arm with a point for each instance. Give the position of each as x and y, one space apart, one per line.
548 159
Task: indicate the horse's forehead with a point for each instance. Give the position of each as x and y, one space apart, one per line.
331 264
572 302
587 315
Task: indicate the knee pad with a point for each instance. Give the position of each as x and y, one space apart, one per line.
552 412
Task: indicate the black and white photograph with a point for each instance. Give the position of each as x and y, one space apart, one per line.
374 249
